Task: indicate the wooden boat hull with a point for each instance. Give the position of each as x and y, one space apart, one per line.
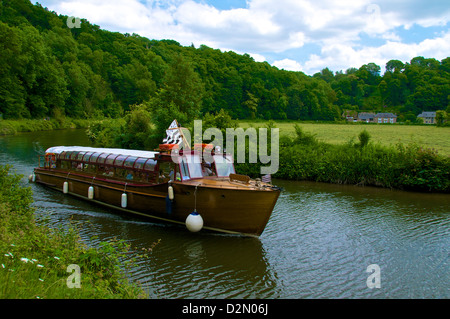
225 209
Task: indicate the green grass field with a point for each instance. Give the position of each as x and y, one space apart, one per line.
427 136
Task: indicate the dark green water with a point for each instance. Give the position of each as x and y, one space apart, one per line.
318 243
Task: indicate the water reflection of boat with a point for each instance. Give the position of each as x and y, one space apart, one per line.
207 267
167 185
184 265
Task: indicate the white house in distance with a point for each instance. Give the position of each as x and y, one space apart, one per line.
385 118
428 117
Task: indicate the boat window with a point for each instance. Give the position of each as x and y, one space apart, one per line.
67 155
110 159
102 157
224 165
194 165
119 160
139 164
166 172
184 170
150 165
80 156
73 155
87 156
208 169
124 174
93 158
129 162
65 164
129 175
62 155
106 171
91 168
142 176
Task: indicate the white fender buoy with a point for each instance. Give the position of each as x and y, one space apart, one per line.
91 192
123 202
65 187
170 191
194 222
32 178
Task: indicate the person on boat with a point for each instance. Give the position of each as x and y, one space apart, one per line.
207 169
129 176
162 177
171 175
108 173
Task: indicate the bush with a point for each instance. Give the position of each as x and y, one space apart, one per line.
303 137
34 258
364 138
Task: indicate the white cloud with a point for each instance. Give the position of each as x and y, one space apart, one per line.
341 57
257 57
288 64
267 27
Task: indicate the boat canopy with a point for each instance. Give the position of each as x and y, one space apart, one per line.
115 151
190 163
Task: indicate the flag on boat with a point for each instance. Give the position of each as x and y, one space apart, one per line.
173 137
174 134
173 125
266 178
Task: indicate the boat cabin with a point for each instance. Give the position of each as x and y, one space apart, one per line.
137 166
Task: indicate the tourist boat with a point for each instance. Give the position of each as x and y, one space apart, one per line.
167 184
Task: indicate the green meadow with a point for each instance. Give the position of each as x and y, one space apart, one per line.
428 136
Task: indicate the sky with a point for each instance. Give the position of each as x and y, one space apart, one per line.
295 35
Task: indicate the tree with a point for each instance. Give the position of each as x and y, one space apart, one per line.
252 105
441 117
12 62
325 75
395 66
180 98
137 129
383 90
182 87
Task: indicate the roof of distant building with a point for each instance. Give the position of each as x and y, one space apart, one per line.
365 115
385 115
427 114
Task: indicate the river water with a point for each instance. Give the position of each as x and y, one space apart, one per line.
322 241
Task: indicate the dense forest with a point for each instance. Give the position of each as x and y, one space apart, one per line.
49 69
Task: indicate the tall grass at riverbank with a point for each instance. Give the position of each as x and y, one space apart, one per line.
34 259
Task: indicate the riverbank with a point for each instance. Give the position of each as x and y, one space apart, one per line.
39 262
362 162
11 127
307 156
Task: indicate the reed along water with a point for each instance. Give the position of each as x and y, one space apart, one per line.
319 242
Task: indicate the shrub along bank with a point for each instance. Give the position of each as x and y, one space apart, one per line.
34 259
